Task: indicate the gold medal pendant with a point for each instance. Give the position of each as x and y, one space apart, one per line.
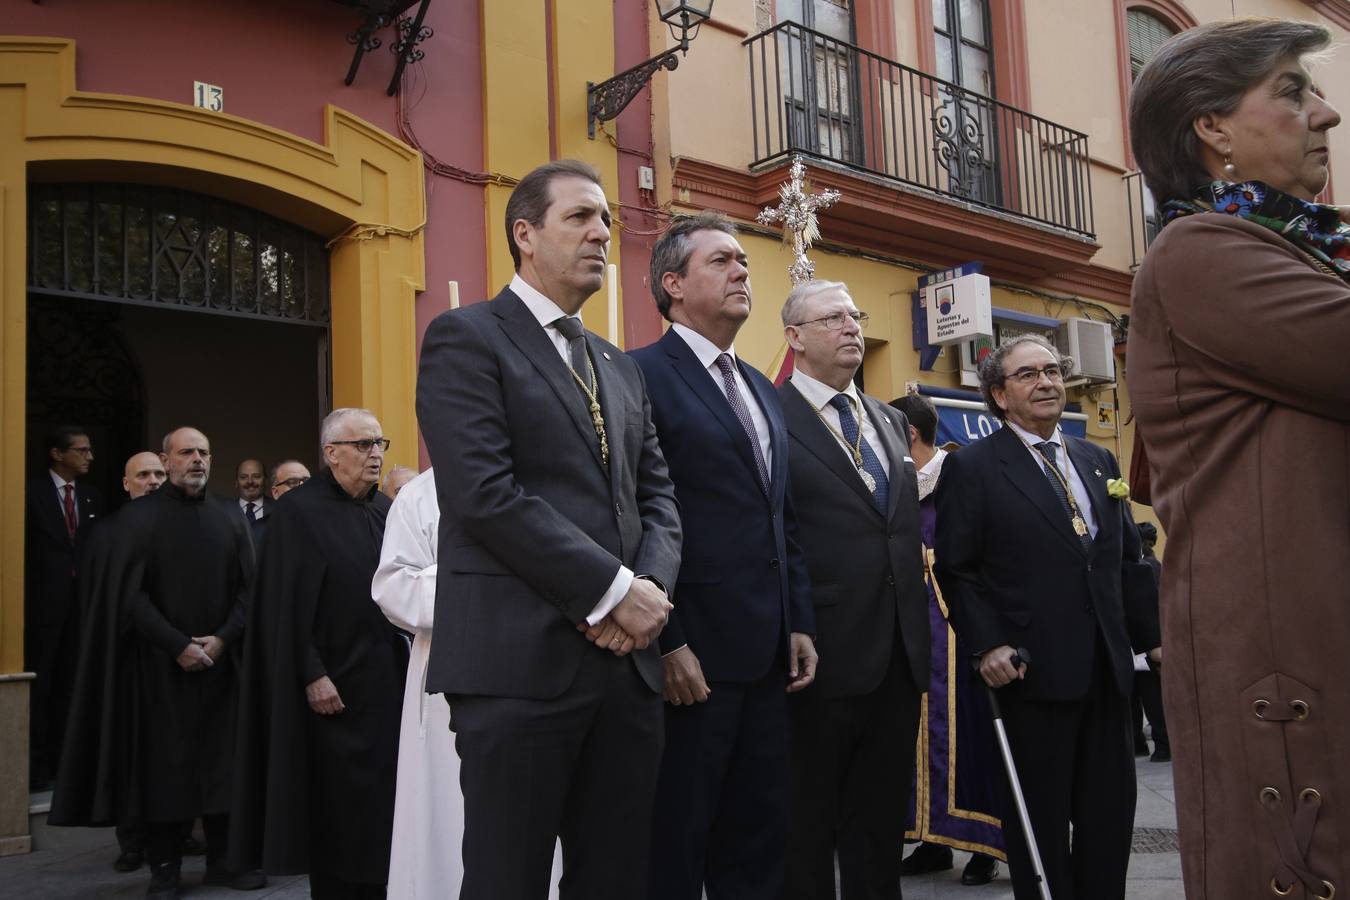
868 480
1079 526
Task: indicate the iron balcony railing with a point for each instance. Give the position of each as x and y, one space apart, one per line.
818 96
1143 216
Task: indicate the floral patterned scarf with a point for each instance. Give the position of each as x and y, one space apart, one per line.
1314 228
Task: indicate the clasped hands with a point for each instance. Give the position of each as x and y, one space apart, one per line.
634 623
201 653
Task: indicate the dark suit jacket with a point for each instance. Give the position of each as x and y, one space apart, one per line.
1013 572
743 584
533 526
49 554
258 528
866 569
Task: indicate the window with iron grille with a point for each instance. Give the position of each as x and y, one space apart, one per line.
166 247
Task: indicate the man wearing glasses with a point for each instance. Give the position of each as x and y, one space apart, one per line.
856 495
324 680
1033 553
58 513
287 476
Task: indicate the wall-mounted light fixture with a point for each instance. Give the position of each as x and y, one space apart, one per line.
607 99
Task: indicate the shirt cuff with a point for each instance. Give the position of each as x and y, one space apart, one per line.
676 650
618 589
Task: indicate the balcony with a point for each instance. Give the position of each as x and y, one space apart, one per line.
822 98
1143 216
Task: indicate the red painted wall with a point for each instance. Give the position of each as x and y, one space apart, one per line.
279 63
633 129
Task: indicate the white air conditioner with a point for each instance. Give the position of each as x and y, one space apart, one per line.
1092 346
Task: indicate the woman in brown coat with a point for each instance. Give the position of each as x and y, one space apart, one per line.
1239 367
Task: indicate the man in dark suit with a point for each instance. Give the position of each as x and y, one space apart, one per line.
58 513
558 526
741 636
248 482
1033 552
857 503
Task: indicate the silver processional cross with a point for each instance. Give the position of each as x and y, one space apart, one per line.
797 209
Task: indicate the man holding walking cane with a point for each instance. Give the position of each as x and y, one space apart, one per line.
1036 549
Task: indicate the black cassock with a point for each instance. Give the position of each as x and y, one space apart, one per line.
316 793
146 739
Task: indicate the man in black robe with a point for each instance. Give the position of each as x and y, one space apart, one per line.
323 685
151 733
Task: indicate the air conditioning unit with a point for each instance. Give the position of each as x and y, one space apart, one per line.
1092 346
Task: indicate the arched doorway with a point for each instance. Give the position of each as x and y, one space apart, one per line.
115 274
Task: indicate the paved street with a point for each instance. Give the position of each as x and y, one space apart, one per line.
77 863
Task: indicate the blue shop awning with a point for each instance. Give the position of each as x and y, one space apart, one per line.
963 418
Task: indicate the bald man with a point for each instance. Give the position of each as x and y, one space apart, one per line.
393 482
287 476
155 676
143 474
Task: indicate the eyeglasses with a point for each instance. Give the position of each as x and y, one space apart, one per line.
365 445
294 481
835 321
83 451
1031 375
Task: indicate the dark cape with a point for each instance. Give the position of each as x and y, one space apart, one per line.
316 793
955 796
146 739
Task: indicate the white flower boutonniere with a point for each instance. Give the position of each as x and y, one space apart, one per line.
1117 488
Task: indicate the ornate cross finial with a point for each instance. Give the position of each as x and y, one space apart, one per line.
796 209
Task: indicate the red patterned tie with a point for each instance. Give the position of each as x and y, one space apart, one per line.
71 521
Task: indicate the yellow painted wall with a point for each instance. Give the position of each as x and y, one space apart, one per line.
359 176
517 102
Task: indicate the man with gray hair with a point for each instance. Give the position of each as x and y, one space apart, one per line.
323 680
1034 553
856 497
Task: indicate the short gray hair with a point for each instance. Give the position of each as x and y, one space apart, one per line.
672 251
333 422
797 297
1204 70
991 367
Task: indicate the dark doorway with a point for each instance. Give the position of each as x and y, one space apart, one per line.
115 271
129 374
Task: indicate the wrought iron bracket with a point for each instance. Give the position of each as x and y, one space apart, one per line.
604 101
378 14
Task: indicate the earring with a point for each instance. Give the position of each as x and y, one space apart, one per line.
1228 168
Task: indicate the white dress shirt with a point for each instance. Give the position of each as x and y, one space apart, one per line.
61 495
707 352
1069 471
258 509
819 394
546 312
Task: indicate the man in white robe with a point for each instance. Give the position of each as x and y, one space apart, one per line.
428 805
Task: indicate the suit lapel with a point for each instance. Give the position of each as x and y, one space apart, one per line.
689 368
1096 486
612 407
1032 481
53 513
761 392
807 428
523 330
881 422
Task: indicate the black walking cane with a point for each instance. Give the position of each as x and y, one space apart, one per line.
1020 657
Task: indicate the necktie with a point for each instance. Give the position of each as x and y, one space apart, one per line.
570 327
870 463
1057 484
743 416
72 521
250 512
